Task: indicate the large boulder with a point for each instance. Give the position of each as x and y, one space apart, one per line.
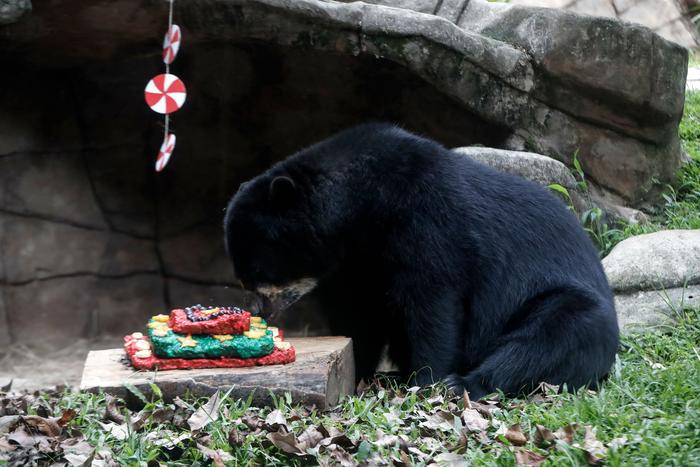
654 276
537 168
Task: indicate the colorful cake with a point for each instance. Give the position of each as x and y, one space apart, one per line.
200 337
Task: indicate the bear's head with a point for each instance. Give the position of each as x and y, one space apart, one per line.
271 237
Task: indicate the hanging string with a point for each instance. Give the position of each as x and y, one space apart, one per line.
167 65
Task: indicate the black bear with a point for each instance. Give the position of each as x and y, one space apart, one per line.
473 277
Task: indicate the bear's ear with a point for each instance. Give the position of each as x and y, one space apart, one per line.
282 190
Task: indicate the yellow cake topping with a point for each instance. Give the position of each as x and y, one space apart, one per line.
158 325
187 341
255 319
254 334
210 311
222 337
161 318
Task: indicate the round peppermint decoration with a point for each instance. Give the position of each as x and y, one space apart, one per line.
166 150
171 43
165 93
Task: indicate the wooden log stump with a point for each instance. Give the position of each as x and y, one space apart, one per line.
323 372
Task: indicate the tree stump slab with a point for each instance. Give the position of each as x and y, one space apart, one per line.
323 372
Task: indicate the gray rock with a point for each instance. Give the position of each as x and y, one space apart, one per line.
56 312
13 10
50 185
654 276
641 310
42 249
198 254
534 167
655 261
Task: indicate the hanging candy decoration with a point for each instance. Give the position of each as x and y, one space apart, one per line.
166 150
166 93
171 44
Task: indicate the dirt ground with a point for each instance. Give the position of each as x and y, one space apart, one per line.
30 368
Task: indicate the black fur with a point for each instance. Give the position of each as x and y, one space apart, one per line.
472 276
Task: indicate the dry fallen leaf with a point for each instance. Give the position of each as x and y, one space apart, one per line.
340 457
206 414
120 432
285 442
80 454
339 438
310 438
516 436
45 426
275 420
527 458
66 417
595 450
474 421
164 415
218 456
112 411
440 420
235 438
253 422
7 387
167 439
566 433
403 460
543 436
25 439
8 422
384 440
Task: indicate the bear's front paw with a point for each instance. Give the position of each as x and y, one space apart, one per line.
458 384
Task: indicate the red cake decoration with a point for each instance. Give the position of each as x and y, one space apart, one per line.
215 320
144 359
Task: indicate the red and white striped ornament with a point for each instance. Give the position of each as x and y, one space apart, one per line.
171 44
166 150
165 93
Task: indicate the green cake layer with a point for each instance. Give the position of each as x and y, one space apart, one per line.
169 344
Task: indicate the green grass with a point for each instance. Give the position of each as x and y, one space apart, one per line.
652 399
